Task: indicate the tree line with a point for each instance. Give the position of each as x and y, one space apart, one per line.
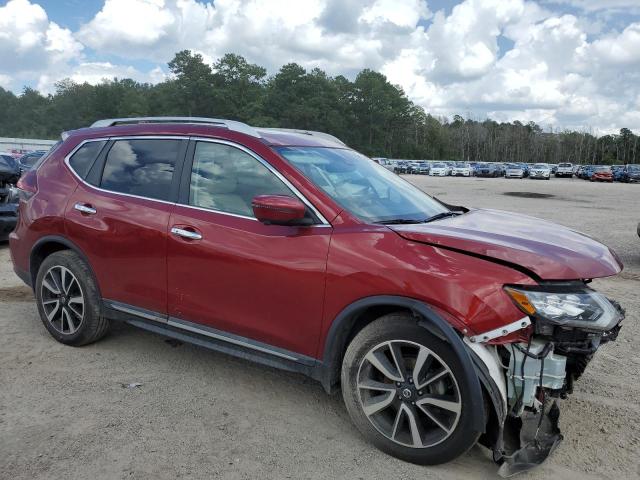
369 113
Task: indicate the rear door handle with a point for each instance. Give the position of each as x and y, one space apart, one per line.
88 209
190 234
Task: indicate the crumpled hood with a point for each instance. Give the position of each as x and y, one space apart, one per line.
550 251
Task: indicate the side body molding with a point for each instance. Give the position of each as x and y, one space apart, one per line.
426 317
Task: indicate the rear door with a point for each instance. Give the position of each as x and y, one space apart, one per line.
119 214
234 274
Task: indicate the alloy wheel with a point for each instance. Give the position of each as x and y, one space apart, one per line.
409 393
62 300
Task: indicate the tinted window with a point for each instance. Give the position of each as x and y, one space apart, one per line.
225 178
7 162
141 167
84 157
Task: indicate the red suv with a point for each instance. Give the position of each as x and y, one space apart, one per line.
441 324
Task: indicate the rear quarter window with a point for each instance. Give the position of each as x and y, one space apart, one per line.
82 160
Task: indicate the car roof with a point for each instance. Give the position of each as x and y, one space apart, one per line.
274 137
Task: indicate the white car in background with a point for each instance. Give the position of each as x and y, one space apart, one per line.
513 170
564 170
439 170
461 169
540 170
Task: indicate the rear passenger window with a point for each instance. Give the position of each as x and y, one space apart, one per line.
83 159
141 167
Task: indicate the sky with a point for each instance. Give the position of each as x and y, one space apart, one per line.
565 64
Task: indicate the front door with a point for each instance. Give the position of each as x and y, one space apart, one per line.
228 271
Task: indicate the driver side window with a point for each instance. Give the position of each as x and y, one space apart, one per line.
226 179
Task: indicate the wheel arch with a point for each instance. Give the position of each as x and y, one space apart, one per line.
362 312
48 245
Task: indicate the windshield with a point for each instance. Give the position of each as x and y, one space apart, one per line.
364 188
438 165
565 165
540 165
633 168
603 169
462 165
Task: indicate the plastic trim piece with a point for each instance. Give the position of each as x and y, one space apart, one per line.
501 331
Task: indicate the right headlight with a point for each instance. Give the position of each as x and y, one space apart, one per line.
583 309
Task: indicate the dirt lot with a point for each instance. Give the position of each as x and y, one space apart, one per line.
199 414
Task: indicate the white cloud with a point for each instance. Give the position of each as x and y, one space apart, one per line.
509 59
596 5
621 49
30 42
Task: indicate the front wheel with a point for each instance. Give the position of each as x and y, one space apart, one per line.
405 392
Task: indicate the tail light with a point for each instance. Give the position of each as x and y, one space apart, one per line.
28 185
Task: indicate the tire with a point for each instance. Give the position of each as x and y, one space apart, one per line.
69 301
431 444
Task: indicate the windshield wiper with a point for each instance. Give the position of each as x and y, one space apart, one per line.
440 216
399 221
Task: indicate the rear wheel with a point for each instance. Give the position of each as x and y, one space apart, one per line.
68 299
404 391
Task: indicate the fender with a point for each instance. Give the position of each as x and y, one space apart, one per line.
427 318
67 243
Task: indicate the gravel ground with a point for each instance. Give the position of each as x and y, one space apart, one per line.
200 414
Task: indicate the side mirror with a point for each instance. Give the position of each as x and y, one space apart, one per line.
279 210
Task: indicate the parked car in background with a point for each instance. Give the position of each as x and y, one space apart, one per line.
486 170
422 314
9 175
438 169
413 168
553 167
400 166
423 168
564 170
501 168
540 171
618 172
450 166
461 169
385 162
514 170
601 173
631 173
587 171
27 161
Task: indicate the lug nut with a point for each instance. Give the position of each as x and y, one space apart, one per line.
410 380
419 393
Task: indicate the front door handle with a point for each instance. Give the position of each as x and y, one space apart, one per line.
190 234
84 208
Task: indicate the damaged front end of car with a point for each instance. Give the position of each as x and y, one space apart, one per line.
564 326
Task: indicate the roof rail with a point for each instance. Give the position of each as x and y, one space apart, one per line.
230 124
313 133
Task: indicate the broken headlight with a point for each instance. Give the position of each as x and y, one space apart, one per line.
584 308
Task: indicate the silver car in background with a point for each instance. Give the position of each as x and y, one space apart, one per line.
513 170
541 171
